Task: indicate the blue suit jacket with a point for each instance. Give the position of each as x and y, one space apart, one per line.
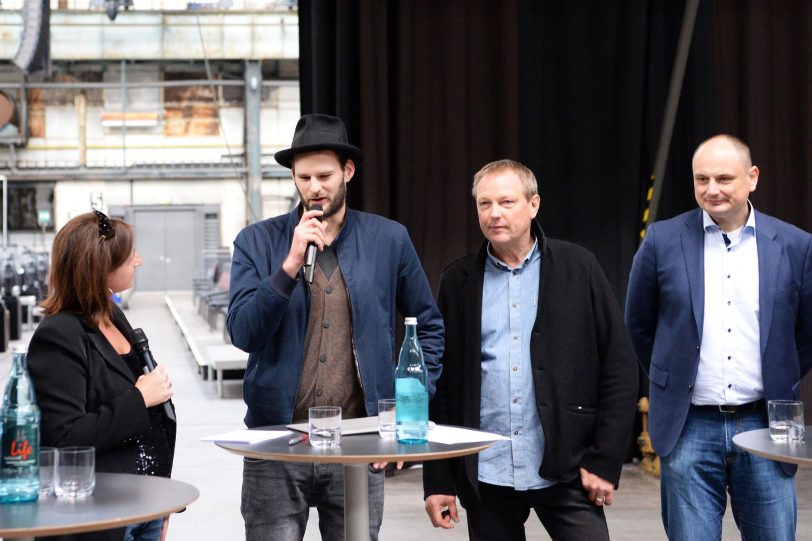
665 311
268 310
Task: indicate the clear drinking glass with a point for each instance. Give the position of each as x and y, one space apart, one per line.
75 475
47 463
386 418
325 426
786 418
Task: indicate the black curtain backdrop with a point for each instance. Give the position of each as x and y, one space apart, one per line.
763 67
593 83
764 52
328 61
436 86
576 90
432 91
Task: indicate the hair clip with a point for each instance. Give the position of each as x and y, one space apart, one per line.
106 229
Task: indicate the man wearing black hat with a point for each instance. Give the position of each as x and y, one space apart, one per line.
324 336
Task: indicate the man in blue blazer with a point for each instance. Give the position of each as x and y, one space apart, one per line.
320 331
719 307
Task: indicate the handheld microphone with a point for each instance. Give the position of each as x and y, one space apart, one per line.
310 255
141 345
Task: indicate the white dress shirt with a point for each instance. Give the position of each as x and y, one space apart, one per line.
730 354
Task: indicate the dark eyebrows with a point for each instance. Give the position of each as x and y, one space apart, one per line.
319 174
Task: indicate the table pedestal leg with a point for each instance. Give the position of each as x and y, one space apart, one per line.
356 502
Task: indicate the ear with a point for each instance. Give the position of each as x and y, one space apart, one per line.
535 203
349 170
752 178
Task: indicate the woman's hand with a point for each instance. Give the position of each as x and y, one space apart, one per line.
155 387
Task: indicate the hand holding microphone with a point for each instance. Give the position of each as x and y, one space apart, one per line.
154 385
310 254
308 237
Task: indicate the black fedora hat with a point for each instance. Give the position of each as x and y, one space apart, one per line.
319 132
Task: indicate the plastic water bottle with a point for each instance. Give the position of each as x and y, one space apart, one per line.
411 396
19 464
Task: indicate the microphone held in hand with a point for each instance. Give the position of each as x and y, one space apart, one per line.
141 345
310 255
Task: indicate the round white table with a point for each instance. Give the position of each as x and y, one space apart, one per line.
759 443
355 453
119 499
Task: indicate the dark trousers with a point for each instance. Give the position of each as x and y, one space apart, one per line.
564 510
277 496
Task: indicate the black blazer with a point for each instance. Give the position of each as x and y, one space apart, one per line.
584 368
87 395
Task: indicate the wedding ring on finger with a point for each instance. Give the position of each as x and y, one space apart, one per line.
599 500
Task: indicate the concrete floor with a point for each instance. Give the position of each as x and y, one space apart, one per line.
217 473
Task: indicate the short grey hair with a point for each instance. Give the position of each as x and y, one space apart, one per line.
525 175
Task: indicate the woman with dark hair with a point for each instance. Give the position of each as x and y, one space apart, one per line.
89 381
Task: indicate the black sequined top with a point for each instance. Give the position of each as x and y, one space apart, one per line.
154 449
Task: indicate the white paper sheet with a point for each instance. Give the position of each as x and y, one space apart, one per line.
360 425
248 436
452 434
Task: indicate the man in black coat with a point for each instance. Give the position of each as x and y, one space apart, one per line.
547 363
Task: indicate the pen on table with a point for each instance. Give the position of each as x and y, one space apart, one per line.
297 439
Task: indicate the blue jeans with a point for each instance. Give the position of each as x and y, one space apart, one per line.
705 465
145 531
277 497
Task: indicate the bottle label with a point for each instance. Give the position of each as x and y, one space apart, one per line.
19 444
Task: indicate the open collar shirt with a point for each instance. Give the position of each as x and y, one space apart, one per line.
508 405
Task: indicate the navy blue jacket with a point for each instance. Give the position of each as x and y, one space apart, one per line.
665 308
268 310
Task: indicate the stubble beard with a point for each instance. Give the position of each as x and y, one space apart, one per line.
337 204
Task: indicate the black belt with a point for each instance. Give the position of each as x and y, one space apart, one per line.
730 408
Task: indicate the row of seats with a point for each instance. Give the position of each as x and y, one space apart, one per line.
204 327
211 297
24 272
24 275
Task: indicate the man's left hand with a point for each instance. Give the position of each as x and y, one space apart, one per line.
600 491
382 465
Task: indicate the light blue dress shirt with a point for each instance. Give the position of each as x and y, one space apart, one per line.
508 405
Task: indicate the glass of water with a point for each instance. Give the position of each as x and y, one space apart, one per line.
786 418
47 462
325 426
386 418
75 473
